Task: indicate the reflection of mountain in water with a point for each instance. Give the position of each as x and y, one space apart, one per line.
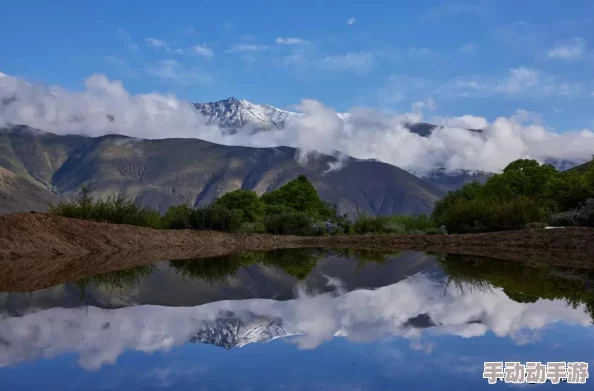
271 275
229 331
421 305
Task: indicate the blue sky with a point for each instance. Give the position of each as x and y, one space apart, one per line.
486 58
335 365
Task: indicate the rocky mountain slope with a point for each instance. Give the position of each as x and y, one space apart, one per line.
19 194
173 171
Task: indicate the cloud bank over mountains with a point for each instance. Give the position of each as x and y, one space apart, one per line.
106 107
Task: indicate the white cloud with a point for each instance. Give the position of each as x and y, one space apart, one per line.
203 50
157 43
359 316
171 70
520 81
366 134
355 61
467 48
464 122
351 21
291 41
246 48
570 51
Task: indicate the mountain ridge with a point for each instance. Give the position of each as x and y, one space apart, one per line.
168 172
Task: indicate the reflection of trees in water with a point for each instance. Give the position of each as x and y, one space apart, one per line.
521 282
366 257
295 262
121 280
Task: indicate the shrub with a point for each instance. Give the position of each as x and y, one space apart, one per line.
217 218
115 209
289 223
368 224
583 216
409 223
177 217
486 215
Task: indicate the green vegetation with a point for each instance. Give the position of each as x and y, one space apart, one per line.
524 194
293 209
120 280
295 262
520 282
396 225
115 208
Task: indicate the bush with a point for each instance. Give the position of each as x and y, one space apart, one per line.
177 217
583 216
420 223
289 223
484 215
215 217
115 209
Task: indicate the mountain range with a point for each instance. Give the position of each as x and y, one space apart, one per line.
38 168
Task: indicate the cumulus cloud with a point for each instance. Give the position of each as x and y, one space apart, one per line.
100 336
291 41
351 21
106 107
570 50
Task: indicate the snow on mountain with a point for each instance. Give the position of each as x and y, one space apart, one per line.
235 114
230 331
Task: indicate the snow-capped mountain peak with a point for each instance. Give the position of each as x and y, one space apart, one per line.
231 331
234 114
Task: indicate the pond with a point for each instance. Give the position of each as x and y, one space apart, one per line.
305 319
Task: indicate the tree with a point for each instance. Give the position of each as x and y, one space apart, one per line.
246 201
520 178
300 196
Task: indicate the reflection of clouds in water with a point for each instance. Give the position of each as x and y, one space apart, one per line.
101 336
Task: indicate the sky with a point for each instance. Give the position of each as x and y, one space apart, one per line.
488 59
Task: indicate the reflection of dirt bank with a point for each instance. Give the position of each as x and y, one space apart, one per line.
39 250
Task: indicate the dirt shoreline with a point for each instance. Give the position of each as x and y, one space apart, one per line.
39 250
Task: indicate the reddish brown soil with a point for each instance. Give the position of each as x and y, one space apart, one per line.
39 250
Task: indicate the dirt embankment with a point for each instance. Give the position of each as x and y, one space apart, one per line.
39 250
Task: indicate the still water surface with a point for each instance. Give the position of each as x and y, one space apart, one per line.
302 319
